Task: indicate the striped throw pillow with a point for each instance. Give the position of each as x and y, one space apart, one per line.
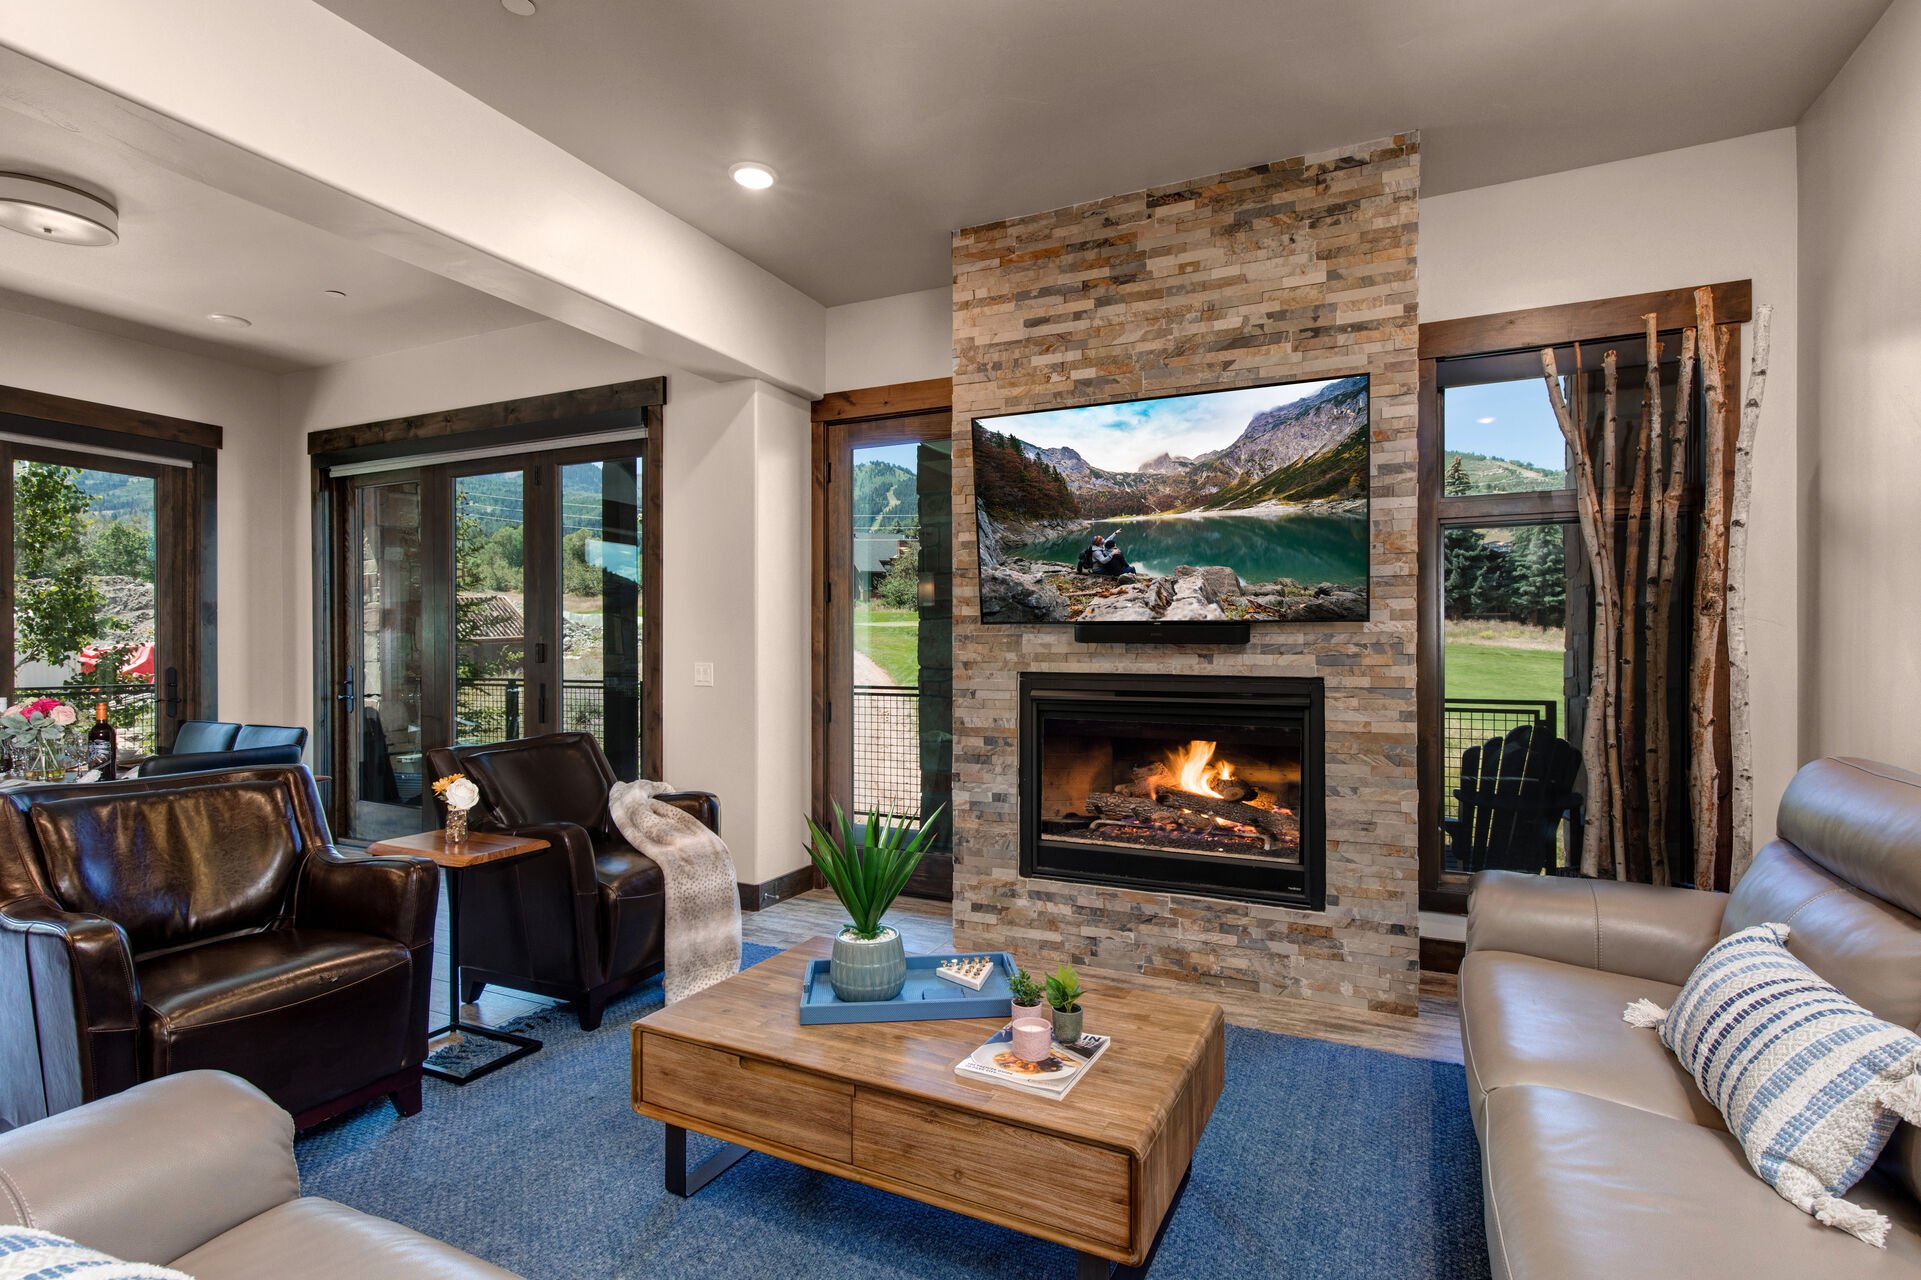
1808 1081
28 1253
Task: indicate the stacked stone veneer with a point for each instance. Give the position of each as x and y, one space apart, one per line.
1303 269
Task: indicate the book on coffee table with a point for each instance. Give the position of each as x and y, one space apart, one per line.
1052 1077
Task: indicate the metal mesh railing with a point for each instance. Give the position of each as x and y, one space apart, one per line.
1470 722
494 708
132 708
887 775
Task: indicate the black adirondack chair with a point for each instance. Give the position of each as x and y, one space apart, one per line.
1514 791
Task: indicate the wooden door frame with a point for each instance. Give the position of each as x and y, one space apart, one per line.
186 525
831 564
1509 331
554 429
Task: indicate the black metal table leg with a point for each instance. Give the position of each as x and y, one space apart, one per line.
523 1045
1091 1266
683 1181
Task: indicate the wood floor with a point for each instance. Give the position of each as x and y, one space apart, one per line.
927 926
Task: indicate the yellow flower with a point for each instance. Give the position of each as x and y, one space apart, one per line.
441 785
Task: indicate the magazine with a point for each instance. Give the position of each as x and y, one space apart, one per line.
1053 1077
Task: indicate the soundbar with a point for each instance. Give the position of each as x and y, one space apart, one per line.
1162 632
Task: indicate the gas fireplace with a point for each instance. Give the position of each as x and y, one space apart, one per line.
1189 784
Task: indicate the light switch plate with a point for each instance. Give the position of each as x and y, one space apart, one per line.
704 673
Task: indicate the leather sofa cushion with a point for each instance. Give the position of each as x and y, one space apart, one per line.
1580 1187
173 866
294 1011
552 779
624 872
1527 1021
315 1239
205 735
1866 947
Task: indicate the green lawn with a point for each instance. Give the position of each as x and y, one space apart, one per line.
891 637
1498 671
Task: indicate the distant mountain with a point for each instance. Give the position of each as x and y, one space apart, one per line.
1480 473
1313 449
885 497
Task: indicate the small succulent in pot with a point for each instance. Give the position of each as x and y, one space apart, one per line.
1064 997
867 869
1026 991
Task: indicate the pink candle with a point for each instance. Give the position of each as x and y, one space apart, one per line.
1033 1039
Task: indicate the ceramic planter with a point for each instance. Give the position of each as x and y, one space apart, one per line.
868 968
1067 1026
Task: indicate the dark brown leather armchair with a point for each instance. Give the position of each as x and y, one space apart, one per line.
581 921
161 925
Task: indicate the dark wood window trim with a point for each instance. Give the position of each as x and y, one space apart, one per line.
186 566
552 428
846 409
1530 329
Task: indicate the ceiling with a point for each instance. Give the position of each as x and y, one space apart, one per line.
187 249
893 123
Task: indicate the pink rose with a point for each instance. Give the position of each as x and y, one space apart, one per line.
62 714
17 711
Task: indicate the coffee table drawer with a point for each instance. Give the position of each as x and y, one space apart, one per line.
760 1099
993 1165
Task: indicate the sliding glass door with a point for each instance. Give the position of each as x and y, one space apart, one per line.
478 602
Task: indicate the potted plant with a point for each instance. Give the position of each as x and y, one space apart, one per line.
1025 991
1064 996
867 870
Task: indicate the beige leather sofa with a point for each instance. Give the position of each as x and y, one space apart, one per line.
196 1171
1599 1155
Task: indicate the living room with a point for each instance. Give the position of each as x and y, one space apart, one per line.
1343 564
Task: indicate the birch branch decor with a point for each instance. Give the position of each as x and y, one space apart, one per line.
1740 728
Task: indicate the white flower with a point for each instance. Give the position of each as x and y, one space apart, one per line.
63 715
462 795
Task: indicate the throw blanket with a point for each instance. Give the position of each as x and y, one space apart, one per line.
702 939
28 1253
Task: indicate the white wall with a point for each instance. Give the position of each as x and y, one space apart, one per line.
736 549
257 541
1861 401
1724 211
906 338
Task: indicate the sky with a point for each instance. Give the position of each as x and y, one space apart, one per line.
1120 437
1509 420
905 456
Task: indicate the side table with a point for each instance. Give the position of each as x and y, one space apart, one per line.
479 849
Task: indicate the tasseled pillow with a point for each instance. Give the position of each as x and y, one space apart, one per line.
1808 1081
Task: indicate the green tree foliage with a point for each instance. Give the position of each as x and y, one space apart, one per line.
885 497
1012 485
56 603
1521 577
900 587
119 549
578 577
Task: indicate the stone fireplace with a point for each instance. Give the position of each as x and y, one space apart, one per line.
1187 784
1302 269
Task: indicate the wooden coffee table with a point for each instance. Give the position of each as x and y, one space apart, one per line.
879 1103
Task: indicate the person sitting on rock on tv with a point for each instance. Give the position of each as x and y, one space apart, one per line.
1107 556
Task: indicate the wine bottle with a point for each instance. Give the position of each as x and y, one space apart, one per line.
103 743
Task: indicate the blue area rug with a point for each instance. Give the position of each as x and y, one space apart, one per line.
1321 1162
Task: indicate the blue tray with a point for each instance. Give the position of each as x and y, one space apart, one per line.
925 998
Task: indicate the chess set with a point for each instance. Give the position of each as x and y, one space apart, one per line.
971 972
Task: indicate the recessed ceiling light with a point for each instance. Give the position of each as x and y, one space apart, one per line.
755 177
55 211
519 8
230 321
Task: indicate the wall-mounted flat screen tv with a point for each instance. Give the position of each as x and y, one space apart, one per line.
1242 505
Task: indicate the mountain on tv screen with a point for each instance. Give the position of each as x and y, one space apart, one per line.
1243 505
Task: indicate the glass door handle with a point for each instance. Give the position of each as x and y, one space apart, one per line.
346 694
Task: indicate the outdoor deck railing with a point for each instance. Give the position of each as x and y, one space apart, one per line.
493 708
133 708
1470 722
887 749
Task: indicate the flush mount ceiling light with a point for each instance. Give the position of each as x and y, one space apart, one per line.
755 177
49 210
230 321
519 8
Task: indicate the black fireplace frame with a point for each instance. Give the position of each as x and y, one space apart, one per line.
1208 875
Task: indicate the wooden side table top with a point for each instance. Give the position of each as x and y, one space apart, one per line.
480 847
879 1102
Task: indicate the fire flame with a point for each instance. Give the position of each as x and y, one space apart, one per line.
1196 770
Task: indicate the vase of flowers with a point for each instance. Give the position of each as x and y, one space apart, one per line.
36 734
867 870
458 792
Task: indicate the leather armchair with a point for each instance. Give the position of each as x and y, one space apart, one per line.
160 925
582 920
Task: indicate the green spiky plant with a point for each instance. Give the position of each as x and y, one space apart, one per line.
868 868
1025 991
1064 989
